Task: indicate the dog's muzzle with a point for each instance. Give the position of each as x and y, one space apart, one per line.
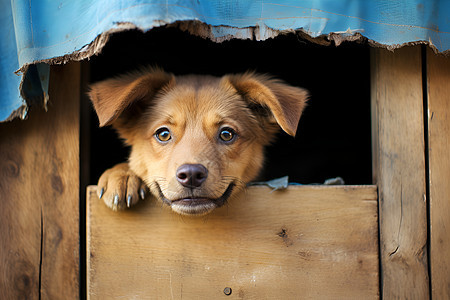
196 205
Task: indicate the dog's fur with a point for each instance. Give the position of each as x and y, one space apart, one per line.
195 110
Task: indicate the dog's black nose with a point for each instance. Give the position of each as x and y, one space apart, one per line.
192 175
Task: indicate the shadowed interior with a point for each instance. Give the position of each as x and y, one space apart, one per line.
333 137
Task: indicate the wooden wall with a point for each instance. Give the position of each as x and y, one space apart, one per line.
411 163
399 171
39 192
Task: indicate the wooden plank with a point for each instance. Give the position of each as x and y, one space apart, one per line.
438 77
305 242
399 171
39 166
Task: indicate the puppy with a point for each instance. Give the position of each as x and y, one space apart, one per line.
195 140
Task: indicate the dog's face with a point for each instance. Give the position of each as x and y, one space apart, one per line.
197 140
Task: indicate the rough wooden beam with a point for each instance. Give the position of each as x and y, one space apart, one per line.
438 79
39 175
399 171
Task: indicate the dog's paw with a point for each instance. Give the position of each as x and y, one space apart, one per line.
120 188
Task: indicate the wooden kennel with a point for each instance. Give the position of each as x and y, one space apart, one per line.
386 240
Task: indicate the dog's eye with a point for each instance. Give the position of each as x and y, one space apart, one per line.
163 135
227 134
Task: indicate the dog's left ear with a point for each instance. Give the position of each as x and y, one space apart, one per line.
285 102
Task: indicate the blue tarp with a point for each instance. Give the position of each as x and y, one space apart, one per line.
36 31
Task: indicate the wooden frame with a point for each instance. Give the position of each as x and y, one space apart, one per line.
405 136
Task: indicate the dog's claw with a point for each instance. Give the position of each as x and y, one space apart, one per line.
129 201
142 193
120 188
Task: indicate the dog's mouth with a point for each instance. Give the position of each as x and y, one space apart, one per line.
196 205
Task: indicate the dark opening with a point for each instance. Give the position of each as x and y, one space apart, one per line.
333 138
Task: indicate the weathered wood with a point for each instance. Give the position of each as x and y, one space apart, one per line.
305 242
39 167
399 171
438 71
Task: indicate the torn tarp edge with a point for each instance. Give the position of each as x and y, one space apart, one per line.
34 84
35 75
220 34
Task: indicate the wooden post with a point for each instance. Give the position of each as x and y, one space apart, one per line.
39 207
438 79
399 171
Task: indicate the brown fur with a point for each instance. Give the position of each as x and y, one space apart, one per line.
194 109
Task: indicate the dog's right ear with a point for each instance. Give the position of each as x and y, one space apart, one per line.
285 102
112 96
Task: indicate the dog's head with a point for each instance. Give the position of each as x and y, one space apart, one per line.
197 140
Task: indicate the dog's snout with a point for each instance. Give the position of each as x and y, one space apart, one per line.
192 175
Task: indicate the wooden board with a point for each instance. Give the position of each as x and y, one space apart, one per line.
39 167
399 171
315 242
439 154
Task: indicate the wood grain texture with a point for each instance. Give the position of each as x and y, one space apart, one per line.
39 167
305 242
439 172
399 171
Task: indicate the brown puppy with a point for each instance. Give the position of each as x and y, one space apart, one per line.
195 140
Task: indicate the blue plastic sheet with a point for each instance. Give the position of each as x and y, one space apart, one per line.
35 31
